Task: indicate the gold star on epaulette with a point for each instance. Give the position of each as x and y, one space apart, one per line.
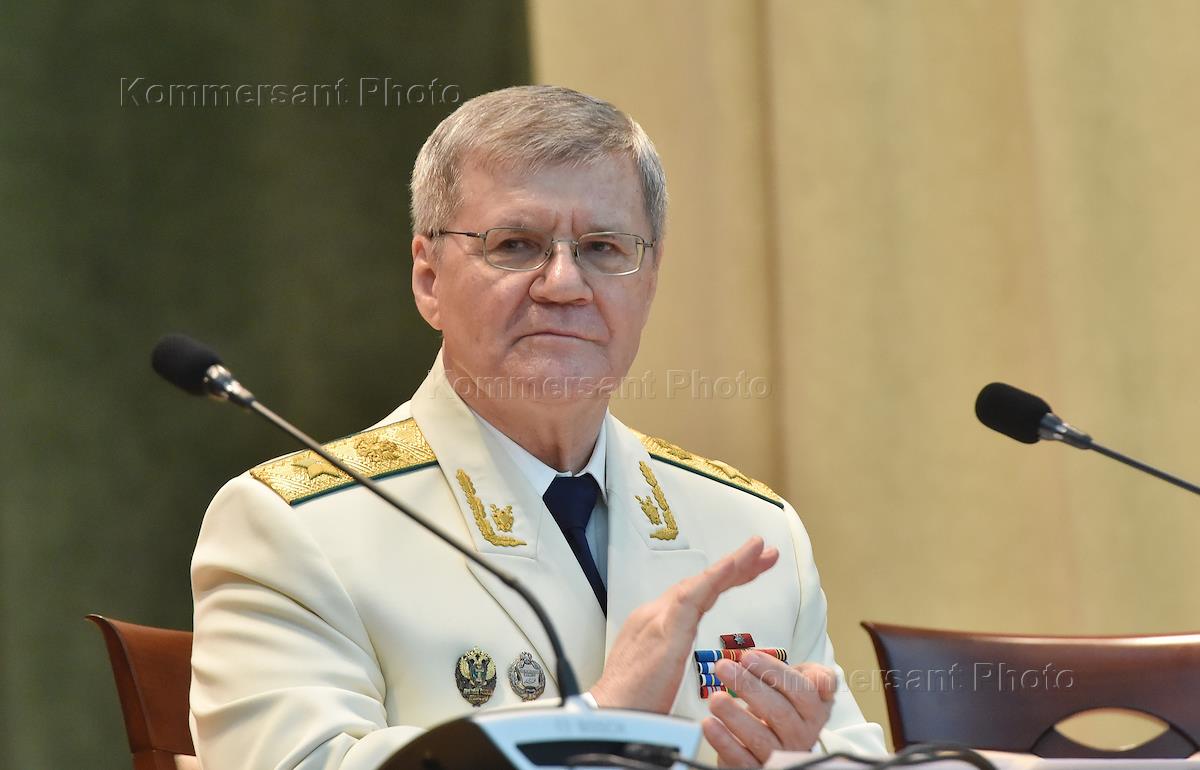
714 469
316 466
394 448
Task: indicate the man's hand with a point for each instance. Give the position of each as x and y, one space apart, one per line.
786 707
646 664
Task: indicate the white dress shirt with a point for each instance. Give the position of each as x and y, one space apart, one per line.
539 475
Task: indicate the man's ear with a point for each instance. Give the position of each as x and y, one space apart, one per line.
660 249
424 279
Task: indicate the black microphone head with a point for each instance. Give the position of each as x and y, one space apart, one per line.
182 361
1011 411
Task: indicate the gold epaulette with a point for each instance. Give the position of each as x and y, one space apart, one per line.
714 469
377 452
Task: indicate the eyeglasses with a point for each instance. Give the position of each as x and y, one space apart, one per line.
522 249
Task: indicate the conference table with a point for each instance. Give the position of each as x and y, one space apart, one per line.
1002 760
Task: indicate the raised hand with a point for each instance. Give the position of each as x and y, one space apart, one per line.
647 661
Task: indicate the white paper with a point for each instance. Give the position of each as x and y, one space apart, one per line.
1002 760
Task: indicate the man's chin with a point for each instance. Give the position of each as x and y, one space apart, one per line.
562 371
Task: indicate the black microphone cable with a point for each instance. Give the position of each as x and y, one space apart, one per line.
646 757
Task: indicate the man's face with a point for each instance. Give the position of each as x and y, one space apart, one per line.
559 324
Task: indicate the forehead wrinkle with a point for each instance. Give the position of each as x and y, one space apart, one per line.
518 203
520 217
546 219
597 226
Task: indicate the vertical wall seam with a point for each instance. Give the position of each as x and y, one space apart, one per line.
773 273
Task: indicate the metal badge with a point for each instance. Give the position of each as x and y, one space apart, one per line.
475 675
737 641
527 678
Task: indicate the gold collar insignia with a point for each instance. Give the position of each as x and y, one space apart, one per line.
668 529
502 517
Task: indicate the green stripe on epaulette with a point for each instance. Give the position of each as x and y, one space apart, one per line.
377 452
713 469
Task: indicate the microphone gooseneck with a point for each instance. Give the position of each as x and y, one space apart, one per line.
195 368
1026 418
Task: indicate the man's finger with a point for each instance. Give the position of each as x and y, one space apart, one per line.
823 679
750 561
699 593
803 691
747 728
730 751
791 722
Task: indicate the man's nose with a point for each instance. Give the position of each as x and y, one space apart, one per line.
561 279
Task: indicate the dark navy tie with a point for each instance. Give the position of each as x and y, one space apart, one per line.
571 500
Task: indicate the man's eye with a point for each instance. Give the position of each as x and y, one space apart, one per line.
607 247
516 244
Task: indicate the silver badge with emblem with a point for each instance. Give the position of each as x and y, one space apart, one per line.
475 675
526 677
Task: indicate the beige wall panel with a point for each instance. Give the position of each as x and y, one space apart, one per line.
1117 124
907 173
953 192
681 69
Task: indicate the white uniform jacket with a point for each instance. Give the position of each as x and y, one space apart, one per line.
328 626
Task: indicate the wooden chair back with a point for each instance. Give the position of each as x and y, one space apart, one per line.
152 668
1007 692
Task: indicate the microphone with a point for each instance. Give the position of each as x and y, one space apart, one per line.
197 369
1026 418
515 738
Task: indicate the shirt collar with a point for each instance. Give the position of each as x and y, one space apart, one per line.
537 473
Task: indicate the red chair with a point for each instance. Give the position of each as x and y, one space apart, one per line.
153 671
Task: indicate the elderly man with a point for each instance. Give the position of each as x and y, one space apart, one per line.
330 630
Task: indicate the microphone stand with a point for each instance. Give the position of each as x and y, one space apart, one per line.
1052 428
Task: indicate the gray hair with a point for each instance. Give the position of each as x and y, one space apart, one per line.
529 127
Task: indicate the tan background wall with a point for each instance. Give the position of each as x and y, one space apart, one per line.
881 206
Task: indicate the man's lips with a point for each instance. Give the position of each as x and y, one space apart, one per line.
561 333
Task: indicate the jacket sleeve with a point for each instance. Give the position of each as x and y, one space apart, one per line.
283 671
846 730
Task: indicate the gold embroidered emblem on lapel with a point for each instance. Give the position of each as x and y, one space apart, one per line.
669 530
502 516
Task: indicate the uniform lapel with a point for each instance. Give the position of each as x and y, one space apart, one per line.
511 530
640 565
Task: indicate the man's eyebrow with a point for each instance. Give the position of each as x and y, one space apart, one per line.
537 221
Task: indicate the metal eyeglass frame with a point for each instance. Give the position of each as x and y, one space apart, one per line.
642 244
